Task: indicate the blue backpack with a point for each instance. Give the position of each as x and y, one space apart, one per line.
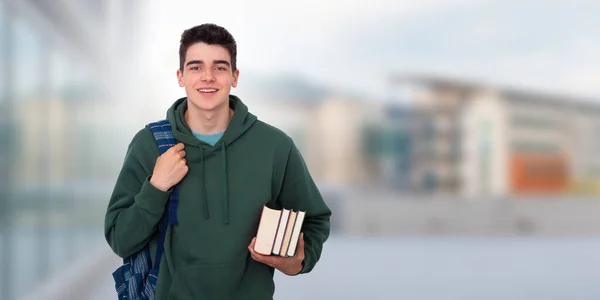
135 280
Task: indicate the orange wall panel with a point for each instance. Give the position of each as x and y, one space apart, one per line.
538 173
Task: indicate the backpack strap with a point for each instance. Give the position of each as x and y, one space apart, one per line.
163 134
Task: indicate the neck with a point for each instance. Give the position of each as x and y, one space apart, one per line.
208 122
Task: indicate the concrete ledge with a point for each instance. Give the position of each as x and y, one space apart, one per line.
372 215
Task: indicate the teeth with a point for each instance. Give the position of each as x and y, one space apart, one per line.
207 90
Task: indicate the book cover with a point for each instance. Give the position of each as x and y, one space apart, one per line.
281 229
267 230
278 231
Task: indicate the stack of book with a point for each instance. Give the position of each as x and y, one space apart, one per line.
278 231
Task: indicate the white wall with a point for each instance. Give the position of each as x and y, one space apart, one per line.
551 134
583 141
334 142
477 179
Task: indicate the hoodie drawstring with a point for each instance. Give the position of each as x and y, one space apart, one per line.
202 186
225 199
225 186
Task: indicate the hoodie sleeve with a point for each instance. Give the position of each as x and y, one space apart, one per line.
299 191
135 206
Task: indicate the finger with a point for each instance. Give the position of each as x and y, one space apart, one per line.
251 246
182 162
267 259
300 246
177 147
257 257
261 259
182 153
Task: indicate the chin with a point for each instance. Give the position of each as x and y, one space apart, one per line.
203 104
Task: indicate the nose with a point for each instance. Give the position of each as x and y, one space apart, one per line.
207 75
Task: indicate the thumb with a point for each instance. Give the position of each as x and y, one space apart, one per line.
300 244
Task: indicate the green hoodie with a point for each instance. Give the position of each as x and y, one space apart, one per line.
220 201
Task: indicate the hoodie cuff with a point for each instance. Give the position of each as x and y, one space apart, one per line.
306 264
152 199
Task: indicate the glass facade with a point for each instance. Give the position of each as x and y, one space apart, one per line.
5 159
52 198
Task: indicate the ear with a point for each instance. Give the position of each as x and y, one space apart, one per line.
180 78
236 75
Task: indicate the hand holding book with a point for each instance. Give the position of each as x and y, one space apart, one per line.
279 241
290 265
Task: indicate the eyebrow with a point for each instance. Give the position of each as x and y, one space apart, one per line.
200 62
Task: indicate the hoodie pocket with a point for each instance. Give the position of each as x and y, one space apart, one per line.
207 281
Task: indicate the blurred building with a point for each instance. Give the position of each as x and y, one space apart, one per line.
334 138
482 140
388 143
520 142
437 136
454 138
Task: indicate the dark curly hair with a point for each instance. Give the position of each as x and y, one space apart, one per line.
210 34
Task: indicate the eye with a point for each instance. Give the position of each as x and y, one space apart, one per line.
221 68
196 68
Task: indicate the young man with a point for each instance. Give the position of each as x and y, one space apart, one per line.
228 165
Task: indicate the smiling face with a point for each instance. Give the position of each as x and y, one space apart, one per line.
207 76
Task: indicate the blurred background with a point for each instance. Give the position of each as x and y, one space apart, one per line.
456 142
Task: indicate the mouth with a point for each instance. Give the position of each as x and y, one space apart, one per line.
207 91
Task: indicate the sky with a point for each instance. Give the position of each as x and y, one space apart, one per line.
357 45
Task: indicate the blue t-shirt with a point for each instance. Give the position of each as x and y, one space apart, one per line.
211 139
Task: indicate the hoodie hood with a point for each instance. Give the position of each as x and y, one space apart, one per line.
240 123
